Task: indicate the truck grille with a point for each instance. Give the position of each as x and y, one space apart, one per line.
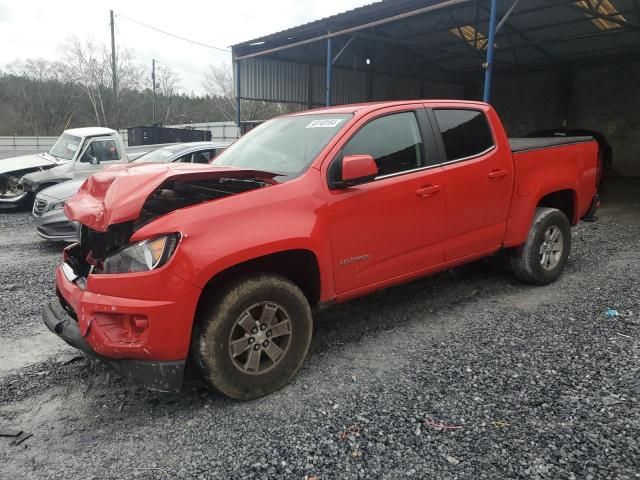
39 206
101 244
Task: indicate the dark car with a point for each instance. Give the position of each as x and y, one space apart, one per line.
605 152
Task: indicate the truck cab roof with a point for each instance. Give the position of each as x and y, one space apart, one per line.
90 131
363 108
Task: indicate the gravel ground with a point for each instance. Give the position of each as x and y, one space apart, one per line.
467 374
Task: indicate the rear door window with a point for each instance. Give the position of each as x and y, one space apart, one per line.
465 133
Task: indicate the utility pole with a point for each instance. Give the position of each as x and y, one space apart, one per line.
153 79
113 70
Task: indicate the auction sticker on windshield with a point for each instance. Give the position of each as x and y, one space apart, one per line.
327 123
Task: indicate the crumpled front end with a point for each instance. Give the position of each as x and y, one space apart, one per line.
14 193
121 299
140 324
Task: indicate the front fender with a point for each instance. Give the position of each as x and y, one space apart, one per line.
230 231
34 180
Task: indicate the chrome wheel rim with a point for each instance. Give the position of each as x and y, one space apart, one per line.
551 248
260 338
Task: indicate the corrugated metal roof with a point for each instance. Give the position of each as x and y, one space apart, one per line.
355 15
426 48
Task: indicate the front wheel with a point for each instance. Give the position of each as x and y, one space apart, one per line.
543 257
252 339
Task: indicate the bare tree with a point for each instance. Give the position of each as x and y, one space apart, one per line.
89 65
218 83
46 96
168 84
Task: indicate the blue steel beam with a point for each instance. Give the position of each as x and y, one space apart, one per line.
491 41
238 115
329 72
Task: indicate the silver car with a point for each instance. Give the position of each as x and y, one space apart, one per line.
48 208
51 222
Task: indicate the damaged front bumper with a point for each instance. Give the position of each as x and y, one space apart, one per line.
159 376
140 324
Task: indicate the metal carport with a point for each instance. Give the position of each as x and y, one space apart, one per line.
555 62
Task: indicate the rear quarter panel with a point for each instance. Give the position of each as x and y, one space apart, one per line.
540 172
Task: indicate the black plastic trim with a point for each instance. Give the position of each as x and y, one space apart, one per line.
159 376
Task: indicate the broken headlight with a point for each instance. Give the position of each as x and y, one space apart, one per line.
142 256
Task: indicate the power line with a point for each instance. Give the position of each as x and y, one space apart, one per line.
173 34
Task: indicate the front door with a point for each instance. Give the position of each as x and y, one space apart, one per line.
98 152
394 225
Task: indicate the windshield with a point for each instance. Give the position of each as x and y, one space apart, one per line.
160 155
66 146
284 145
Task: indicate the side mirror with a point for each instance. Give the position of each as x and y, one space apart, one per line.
94 161
357 169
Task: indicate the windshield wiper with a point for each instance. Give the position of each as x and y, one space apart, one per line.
54 156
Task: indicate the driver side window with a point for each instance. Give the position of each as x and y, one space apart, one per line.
101 150
394 142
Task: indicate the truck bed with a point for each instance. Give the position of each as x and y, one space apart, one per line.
522 144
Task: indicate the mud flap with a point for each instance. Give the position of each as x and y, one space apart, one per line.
591 214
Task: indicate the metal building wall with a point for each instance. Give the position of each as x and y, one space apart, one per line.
262 79
275 80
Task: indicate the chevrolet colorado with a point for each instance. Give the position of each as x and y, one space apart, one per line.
226 262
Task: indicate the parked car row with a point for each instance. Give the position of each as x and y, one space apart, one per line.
77 153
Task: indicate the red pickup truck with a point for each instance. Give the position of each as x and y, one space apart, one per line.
226 262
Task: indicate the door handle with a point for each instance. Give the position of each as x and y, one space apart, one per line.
428 190
498 173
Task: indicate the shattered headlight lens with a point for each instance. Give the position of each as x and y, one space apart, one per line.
143 256
57 205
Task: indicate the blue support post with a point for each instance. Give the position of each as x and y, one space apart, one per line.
238 117
490 43
329 72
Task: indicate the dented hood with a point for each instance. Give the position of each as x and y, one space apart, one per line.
117 194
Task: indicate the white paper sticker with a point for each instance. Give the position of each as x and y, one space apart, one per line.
71 146
328 123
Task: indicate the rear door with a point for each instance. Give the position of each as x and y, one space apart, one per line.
479 178
393 225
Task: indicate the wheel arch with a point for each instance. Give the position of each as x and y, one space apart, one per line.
300 266
564 200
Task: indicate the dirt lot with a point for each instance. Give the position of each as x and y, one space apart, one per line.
468 374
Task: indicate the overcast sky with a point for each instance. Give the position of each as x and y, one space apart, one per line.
30 28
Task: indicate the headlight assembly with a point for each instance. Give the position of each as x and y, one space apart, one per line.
57 205
142 256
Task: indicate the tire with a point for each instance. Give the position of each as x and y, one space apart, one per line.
226 325
530 264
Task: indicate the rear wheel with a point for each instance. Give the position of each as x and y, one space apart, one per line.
545 253
252 339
